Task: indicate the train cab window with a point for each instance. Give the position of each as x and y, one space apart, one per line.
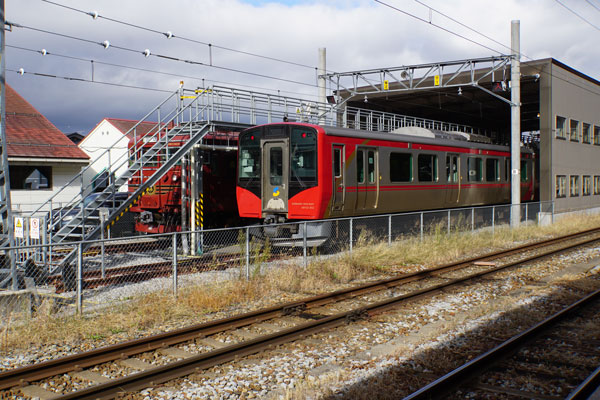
561 186
303 157
360 166
401 167
427 167
492 170
249 155
524 171
276 165
337 162
371 166
475 166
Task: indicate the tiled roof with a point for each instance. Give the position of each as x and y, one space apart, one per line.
30 134
124 125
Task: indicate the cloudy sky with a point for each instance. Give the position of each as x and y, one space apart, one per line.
263 45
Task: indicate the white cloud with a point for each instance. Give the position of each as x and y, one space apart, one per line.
358 34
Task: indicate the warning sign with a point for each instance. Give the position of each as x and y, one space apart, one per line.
34 228
19 227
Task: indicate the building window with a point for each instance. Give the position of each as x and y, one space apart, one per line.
401 167
596 184
587 185
596 135
561 127
428 167
27 177
492 170
561 186
475 165
574 130
574 185
585 133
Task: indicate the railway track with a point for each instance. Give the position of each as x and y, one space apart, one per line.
311 309
553 359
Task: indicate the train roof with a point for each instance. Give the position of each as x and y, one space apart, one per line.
420 135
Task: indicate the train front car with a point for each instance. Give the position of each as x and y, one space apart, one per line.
279 179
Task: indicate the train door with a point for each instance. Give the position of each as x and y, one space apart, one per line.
275 176
367 178
338 171
453 179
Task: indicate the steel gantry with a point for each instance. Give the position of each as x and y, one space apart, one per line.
470 72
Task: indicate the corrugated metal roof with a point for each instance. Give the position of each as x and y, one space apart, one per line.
30 134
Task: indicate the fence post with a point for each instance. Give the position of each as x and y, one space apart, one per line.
102 266
79 277
472 219
390 230
421 226
526 213
494 219
174 244
448 222
552 211
304 245
351 223
247 253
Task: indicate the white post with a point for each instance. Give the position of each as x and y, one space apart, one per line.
322 70
515 116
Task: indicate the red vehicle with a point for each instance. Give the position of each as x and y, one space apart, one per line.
297 171
159 209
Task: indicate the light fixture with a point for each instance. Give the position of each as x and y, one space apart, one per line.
459 91
366 100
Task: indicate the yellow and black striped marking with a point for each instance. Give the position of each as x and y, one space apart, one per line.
200 212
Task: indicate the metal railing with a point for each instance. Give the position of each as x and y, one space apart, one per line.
130 266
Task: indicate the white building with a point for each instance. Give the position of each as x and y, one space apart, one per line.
107 147
41 158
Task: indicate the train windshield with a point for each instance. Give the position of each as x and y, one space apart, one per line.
249 157
303 155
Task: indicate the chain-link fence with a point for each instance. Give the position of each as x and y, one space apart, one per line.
91 275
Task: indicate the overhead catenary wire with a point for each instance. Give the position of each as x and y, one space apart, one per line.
577 14
170 35
107 45
179 76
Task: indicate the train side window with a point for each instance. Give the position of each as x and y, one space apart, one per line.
401 167
360 166
427 167
337 162
524 171
452 168
371 165
507 169
492 170
561 186
475 165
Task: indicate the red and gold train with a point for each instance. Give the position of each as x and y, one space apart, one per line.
297 171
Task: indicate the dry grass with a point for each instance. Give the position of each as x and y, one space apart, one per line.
160 311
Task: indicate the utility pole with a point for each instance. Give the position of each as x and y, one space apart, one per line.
321 71
7 237
515 117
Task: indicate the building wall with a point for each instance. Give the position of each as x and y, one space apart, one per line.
574 98
96 144
62 173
